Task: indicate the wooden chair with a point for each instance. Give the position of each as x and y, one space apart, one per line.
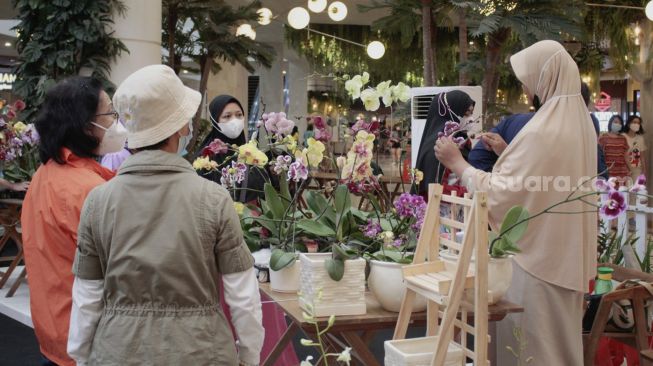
638 296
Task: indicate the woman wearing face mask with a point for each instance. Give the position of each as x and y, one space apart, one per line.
227 118
615 148
634 134
456 106
77 124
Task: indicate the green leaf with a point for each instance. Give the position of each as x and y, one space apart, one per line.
360 215
335 268
339 252
342 202
513 216
285 191
320 207
504 247
280 259
274 202
386 225
315 228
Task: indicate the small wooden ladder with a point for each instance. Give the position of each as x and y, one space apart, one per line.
443 283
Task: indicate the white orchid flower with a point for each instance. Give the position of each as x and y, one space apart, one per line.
401 92
354 86
345 356
370 98
385 91
366 78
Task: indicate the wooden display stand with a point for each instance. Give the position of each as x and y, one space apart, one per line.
443 284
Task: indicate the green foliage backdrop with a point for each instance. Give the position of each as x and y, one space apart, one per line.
57 39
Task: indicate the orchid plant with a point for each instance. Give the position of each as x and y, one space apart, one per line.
613 202
287 218
372 97
18 143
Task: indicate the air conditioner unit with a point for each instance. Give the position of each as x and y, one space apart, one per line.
421 99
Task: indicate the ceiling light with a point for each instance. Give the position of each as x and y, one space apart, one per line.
375 50
649 10
317 6
264 16
298 18
185 71
7 44
338 11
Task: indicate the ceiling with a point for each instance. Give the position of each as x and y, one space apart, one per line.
6 9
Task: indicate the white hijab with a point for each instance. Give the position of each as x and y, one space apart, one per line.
559 141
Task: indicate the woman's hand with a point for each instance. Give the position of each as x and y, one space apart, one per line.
448 153
19 187
494 142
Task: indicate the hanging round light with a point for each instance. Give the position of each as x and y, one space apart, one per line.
649 10
264 16
375 50
298 17
337 11
246 30
317 6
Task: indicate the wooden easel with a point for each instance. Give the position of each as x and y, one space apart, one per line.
443 283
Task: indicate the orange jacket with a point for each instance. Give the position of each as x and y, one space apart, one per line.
49 221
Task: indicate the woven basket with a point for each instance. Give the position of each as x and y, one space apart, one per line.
344 297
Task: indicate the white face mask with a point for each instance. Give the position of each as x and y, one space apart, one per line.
634 127
185 140
232 129
114 138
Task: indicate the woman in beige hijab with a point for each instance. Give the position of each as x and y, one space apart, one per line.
551 155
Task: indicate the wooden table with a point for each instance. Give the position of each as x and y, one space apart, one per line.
353 331
10 219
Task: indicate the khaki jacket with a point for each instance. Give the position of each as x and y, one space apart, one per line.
159 236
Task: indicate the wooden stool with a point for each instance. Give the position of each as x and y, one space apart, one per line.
638 295
647 355
10 220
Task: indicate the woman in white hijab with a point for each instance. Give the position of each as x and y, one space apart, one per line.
551 155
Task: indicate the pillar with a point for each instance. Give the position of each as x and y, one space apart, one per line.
140 30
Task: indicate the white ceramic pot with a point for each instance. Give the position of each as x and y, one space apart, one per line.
499 276
387 283
285 280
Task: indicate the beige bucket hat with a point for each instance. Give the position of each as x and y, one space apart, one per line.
154 104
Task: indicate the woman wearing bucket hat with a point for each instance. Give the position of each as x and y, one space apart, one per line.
76 124
153 243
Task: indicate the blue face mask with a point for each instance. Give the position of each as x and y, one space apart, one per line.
615 128
185 140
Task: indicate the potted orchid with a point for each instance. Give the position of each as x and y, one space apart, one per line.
18 143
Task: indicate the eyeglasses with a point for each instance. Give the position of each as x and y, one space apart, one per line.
112 113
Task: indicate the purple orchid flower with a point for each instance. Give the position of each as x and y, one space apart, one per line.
613 204
640 184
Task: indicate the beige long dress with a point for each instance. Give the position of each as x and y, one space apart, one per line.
551 155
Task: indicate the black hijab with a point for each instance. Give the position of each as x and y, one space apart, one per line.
216 107
445 107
